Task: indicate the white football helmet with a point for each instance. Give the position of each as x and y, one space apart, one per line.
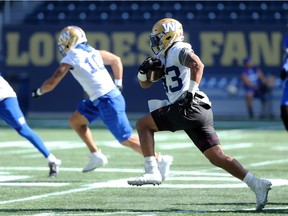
164 33
69 38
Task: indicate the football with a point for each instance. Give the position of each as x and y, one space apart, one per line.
155 75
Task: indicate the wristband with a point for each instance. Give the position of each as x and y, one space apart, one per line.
142 77
38 92
118 82
193 87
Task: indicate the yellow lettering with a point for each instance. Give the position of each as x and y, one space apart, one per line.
270 52
143 47
123 43
210 43
98 40
14 58
41 49
234 49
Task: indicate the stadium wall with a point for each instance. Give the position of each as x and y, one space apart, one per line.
31 55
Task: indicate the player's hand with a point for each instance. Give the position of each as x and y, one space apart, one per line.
186 105
36 93
120 88
149 64
283 74
145 66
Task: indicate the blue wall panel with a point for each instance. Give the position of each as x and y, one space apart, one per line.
30 52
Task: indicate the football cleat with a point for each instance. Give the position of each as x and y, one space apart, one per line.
96 160
54 168
164 162
146 178
261 189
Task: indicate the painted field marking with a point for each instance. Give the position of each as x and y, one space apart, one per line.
33 184
4 178
122 183
265 163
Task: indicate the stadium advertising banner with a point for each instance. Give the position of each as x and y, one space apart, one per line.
30 55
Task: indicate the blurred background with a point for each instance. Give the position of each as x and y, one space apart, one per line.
222 33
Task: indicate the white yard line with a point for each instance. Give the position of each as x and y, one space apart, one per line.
265 163
122 183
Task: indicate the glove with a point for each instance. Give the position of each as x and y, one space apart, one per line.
283 74
36 93
149 64
118 83
120 88
186 105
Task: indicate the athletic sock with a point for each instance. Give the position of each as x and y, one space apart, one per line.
249 179
151 165
51 158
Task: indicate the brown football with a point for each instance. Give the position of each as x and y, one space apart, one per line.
155 75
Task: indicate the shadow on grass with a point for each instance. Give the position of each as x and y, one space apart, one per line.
171 211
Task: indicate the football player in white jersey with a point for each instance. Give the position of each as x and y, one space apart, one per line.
186 109
105 101
11 113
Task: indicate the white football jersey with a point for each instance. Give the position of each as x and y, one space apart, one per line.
6 90
177 76
89 70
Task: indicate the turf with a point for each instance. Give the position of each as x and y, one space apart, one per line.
194 186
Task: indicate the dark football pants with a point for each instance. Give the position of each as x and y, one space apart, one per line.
199 127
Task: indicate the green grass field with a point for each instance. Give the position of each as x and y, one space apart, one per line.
194 186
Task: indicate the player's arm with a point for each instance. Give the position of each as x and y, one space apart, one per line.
262 77
116 64
145 84
49 84
189 59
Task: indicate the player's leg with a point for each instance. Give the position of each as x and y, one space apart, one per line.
146 128
80 124
260 186
113 114
264 107
218 158
13 116
249 104
269 104
133 143
118 123
158 120
86 113
207 141
112 111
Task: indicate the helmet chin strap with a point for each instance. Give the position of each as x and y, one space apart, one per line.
170 43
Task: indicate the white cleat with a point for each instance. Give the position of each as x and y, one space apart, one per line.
164 162
146 178
261 189
54 168
96 160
